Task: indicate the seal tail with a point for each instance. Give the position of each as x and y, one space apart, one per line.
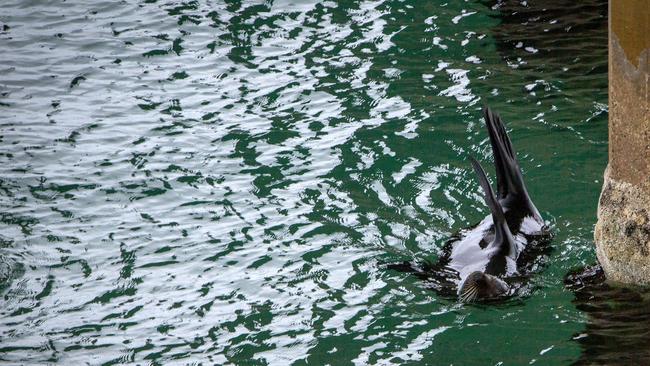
502 236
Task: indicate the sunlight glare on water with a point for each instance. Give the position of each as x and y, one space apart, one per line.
220 181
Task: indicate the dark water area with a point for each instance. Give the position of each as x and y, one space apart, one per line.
619 319
218 182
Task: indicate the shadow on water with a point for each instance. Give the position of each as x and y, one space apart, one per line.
618 320
558 37
557 45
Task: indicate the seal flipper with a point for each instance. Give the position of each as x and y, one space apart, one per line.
509 179
502 236
483 285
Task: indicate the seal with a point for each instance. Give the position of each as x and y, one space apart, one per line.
477 262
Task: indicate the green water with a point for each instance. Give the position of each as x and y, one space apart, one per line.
218 182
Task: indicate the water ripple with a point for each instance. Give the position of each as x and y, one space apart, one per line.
220 181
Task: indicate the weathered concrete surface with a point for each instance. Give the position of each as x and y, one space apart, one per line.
622 233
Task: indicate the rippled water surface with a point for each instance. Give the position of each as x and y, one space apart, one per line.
220 181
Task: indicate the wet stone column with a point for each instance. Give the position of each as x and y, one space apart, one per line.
622 233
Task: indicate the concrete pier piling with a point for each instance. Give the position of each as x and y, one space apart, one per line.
622 232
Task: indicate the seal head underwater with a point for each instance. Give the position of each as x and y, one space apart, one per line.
476 261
